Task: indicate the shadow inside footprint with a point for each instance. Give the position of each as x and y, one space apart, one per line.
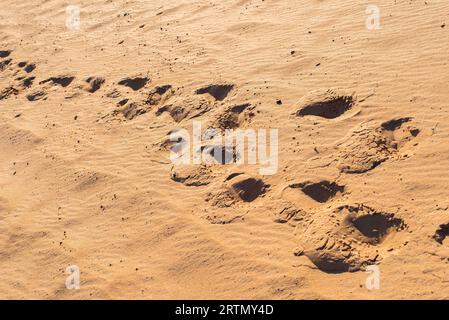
331 262
375 225
4 53
394 124
135 83
219 92
28 67
441 233
155 96
4 64
321 191
94 83
329 109
63 81
37 95
28 82
249 189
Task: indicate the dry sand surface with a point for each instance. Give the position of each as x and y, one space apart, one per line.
86 178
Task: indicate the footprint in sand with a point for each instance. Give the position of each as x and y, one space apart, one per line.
218 91
26 66
182 108
328 105
230 200
136 82
192 175
40 93
234 117
37 95
93 84
26 82
158 95
441 233
5 53
367 146
311 194
63 81
19 75
236 188
7 92
4 64
129 110
132 109
246 188
350 237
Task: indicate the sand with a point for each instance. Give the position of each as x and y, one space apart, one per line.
86 178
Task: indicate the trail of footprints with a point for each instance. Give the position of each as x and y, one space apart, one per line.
346 238
335 234
335 237
160 99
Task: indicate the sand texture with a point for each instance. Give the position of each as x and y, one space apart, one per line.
363 162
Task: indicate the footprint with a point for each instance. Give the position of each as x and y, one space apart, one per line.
334 261
369 226
94 83
321 191
28 82
192 175
311 194
395 124
113 93
234 116
4 64
290 213
158 95
130 110
218 91
27 67
177 112
441 234
350 237
367 146
40 93
122 102
247 188
328 105
7 92
241 188
400 131
135 82
36 95
186 108
19 81
5 53
62 81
